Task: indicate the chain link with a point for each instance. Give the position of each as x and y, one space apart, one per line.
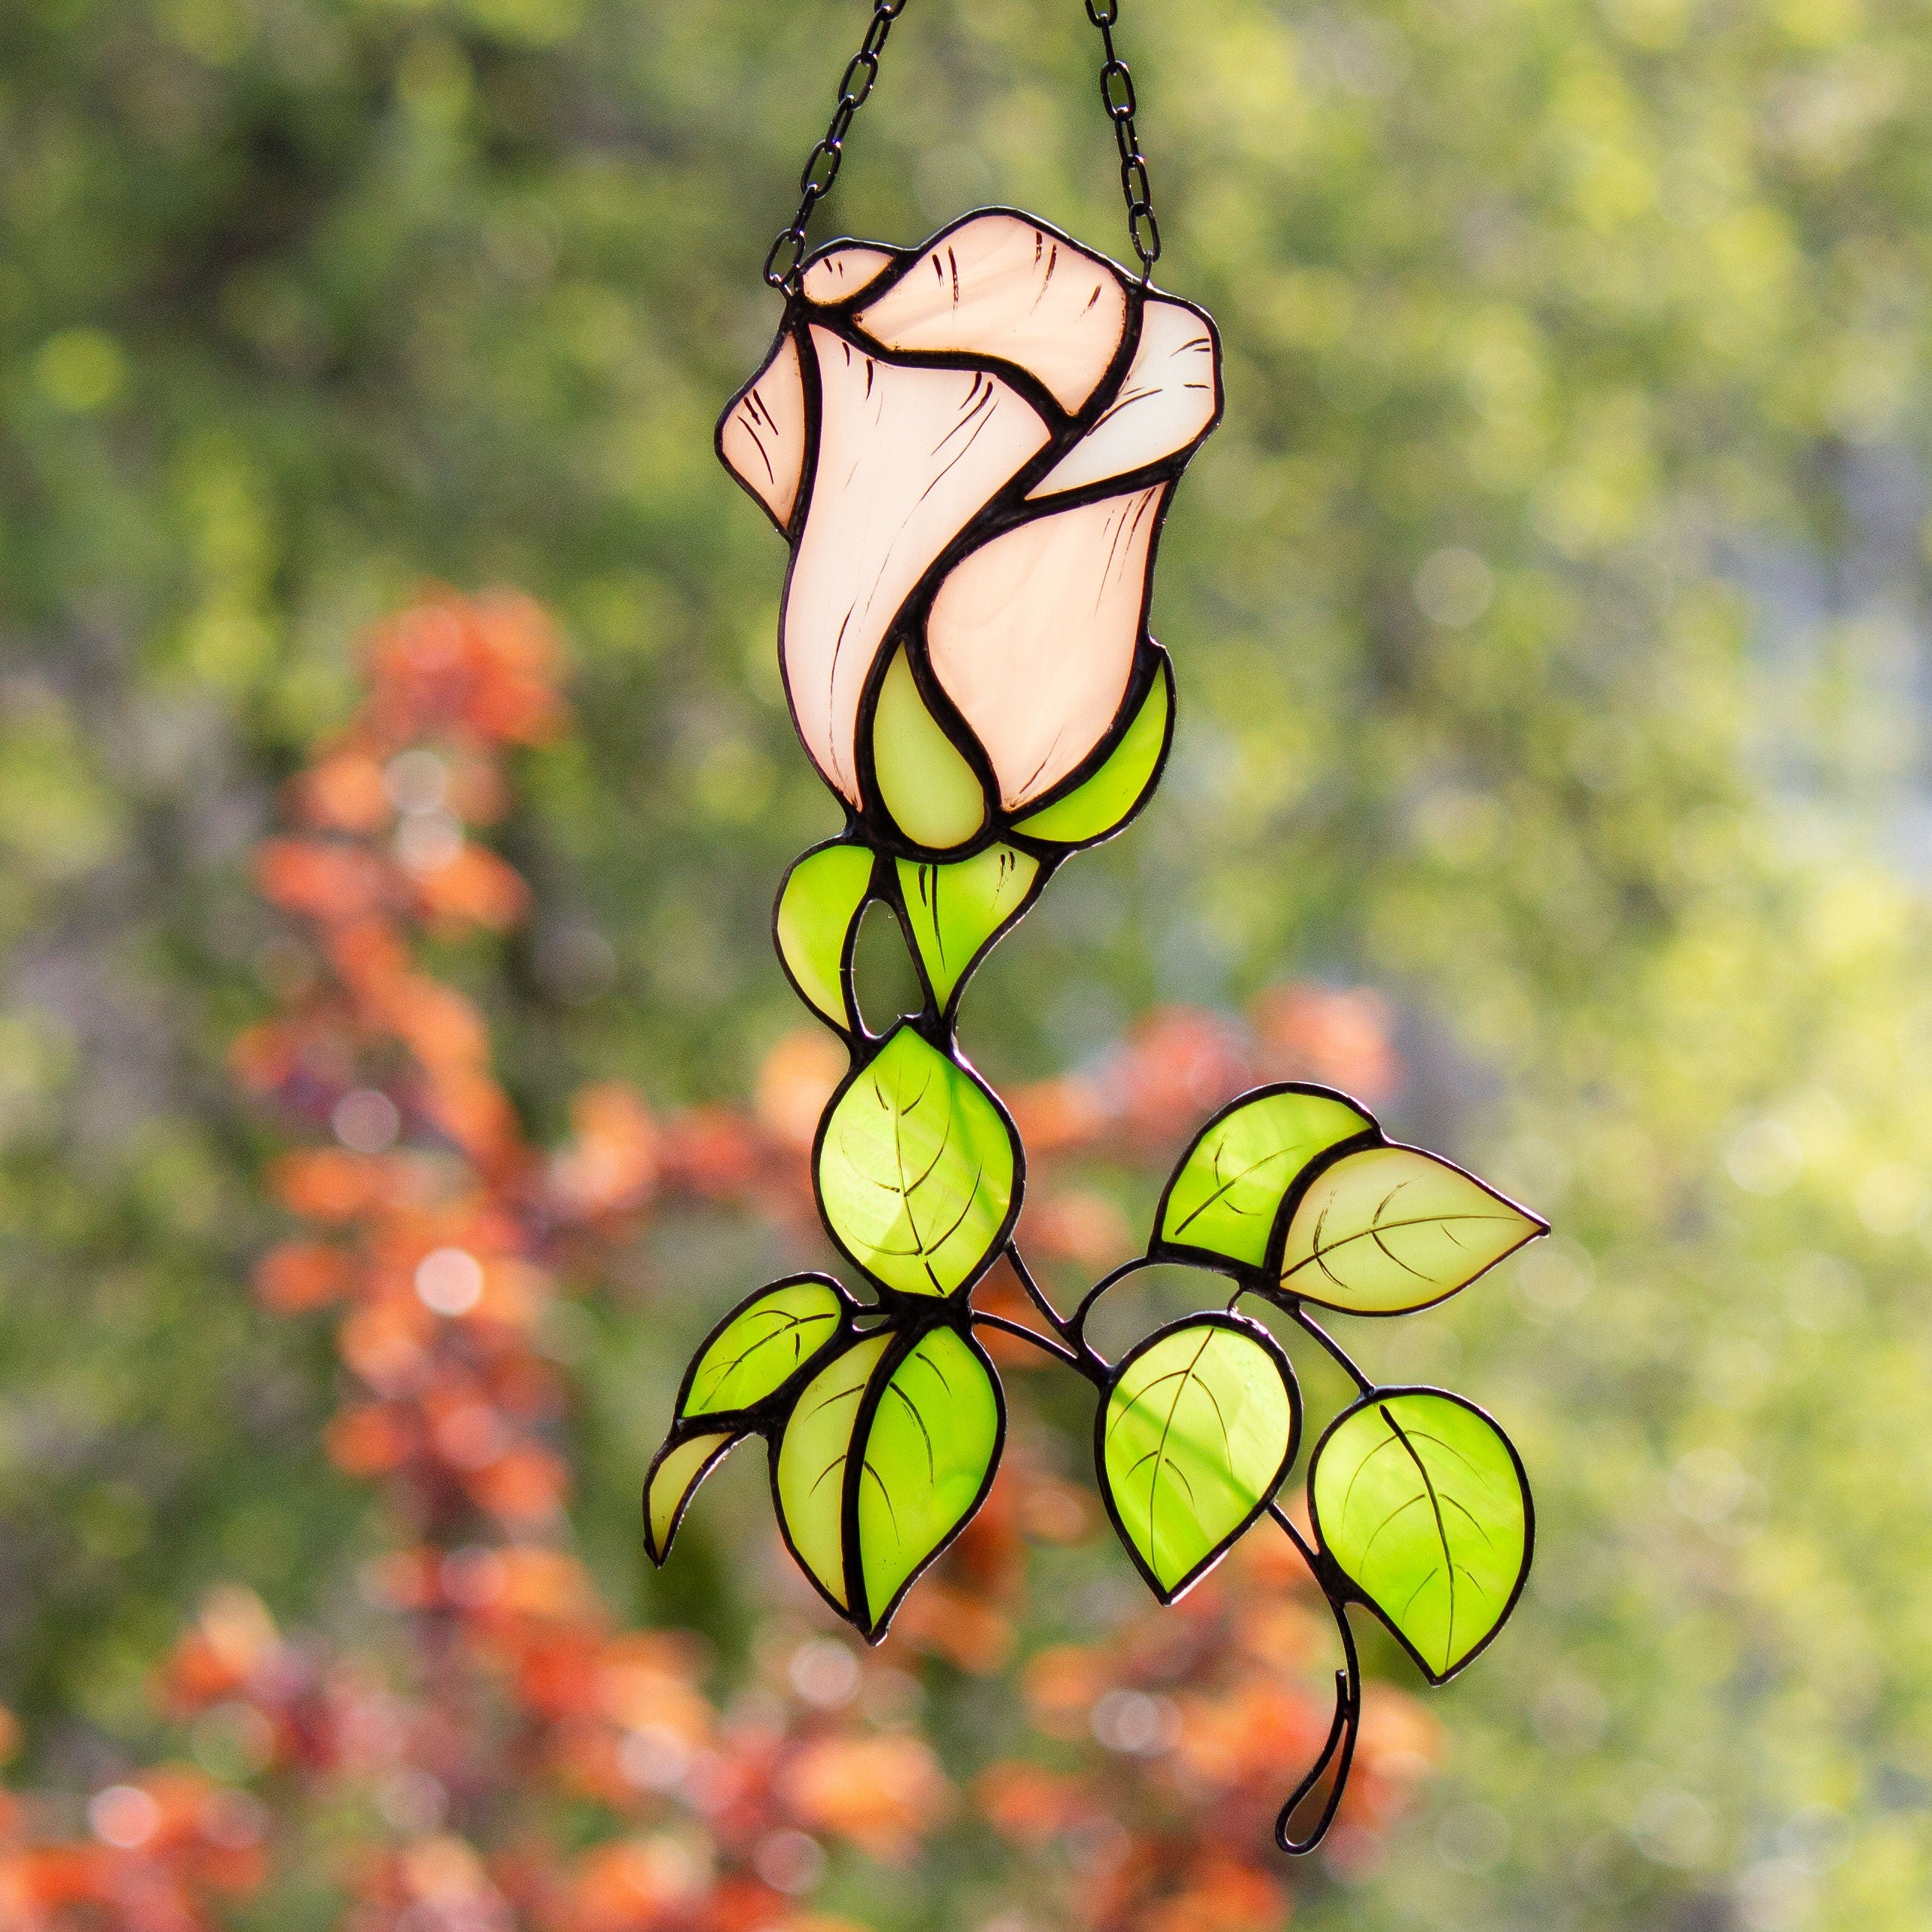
787 255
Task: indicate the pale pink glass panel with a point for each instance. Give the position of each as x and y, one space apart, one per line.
1033 636
843 272
763 438
998 285
1165 401
906 458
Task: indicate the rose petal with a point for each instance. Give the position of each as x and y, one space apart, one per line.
1033 636
998 285
906 457
1168 399
761 434
842 272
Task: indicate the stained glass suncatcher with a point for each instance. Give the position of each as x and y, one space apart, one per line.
970 447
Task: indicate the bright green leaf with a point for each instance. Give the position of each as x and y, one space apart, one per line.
931 1446
817 906
932 792
1198 1430
677 1471
1421 1502
760 1343
954 910
811 1454
1391 1229
1224 1194
1107 797
916 1170
931 1423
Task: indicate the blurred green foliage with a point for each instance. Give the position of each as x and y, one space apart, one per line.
1549 622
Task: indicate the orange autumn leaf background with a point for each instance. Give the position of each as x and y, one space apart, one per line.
499 1693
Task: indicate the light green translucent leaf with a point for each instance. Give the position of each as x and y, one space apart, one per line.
1224 1194
1112 793
812 1452
1421 1502
817 905
928 1453
916 1169
1391 1229
955 909
760 1344
1198 1430
678 1469
929 789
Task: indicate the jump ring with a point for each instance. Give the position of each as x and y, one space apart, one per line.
781 277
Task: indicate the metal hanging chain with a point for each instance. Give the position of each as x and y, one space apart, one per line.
787 255
1116 95
821 169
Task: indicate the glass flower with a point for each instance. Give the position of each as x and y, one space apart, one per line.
970 446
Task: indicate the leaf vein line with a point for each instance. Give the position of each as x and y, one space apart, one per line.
919 1421
1167 1429
1441 1528
1226 1187
1318 1253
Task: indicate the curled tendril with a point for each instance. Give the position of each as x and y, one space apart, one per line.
1341 1742
1338 1749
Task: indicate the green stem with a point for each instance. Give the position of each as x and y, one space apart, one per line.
1339 1749
981 1319
1035 1294
1296 1313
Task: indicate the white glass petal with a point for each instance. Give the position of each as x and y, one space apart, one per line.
1167 398
906 457
762 435
1033 636
998 285
843 272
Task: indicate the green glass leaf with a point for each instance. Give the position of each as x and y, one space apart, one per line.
932 792
932 1421
928 1457
811 1465
916 1169
1198 1429
1224 1194
760 1344
675 1472
954 910
1392 1229
818 906
1107 797
1422 1504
